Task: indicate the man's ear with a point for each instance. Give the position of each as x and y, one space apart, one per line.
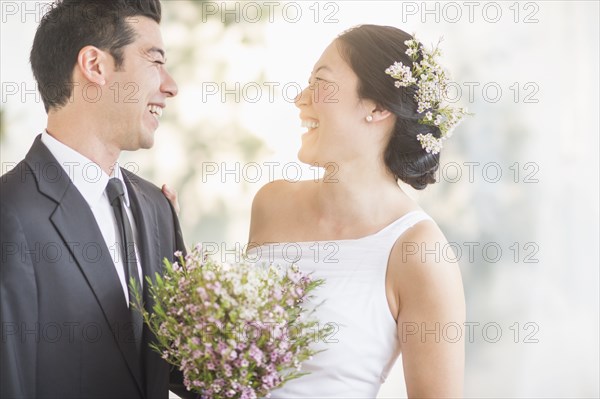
93 64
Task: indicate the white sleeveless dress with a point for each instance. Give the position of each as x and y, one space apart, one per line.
363 346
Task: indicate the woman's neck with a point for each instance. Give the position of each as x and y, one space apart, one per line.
351 194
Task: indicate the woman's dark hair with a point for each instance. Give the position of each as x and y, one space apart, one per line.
71 25
370 50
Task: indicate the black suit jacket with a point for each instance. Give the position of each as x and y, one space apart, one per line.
65 324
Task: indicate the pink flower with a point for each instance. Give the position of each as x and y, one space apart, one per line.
203 310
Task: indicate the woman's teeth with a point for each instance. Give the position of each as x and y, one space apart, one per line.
155 110
310 124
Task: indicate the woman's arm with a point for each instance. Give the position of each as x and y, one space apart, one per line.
431 315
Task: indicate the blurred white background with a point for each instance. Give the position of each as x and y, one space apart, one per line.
518 187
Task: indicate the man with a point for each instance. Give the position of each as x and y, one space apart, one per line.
70 217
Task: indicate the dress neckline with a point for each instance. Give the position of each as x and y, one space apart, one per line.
372 235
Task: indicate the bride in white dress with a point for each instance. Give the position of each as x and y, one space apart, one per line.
387 291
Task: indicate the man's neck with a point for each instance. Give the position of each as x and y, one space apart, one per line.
84 138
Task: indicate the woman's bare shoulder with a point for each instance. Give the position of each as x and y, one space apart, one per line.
273 207
273 195
425 272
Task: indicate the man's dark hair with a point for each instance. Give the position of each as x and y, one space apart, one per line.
71 25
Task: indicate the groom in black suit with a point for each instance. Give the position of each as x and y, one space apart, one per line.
70 243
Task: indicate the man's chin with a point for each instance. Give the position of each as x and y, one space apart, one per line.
146 145
146 141
143 144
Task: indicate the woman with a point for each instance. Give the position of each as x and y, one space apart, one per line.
374 116
386 292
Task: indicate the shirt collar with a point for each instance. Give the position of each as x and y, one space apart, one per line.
87 176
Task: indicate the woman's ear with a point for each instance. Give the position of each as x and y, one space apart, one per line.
375 112
380 114
93 64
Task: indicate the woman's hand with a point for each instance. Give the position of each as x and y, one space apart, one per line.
172 197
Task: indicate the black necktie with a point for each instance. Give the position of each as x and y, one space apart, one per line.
116 197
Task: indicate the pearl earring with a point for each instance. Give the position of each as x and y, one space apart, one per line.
369 118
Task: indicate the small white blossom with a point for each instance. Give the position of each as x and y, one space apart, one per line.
429 143
432 84
402 73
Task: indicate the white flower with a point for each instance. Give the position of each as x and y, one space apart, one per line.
432 83
429 143
401 72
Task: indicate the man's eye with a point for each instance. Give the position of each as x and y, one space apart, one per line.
159 62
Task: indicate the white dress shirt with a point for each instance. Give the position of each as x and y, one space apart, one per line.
90 180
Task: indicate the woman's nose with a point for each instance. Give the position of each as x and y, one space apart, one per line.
303 97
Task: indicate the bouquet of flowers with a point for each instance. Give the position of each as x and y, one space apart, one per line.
235 330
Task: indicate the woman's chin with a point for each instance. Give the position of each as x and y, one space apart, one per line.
306 157
302 157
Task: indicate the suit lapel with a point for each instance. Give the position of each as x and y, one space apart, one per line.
144 213
76 225
146 222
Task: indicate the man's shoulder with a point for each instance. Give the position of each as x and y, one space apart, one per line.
20 195
149 189
140 182
15 181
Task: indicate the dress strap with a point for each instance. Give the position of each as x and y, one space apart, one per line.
397 228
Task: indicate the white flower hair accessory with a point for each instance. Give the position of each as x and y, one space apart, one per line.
432 82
